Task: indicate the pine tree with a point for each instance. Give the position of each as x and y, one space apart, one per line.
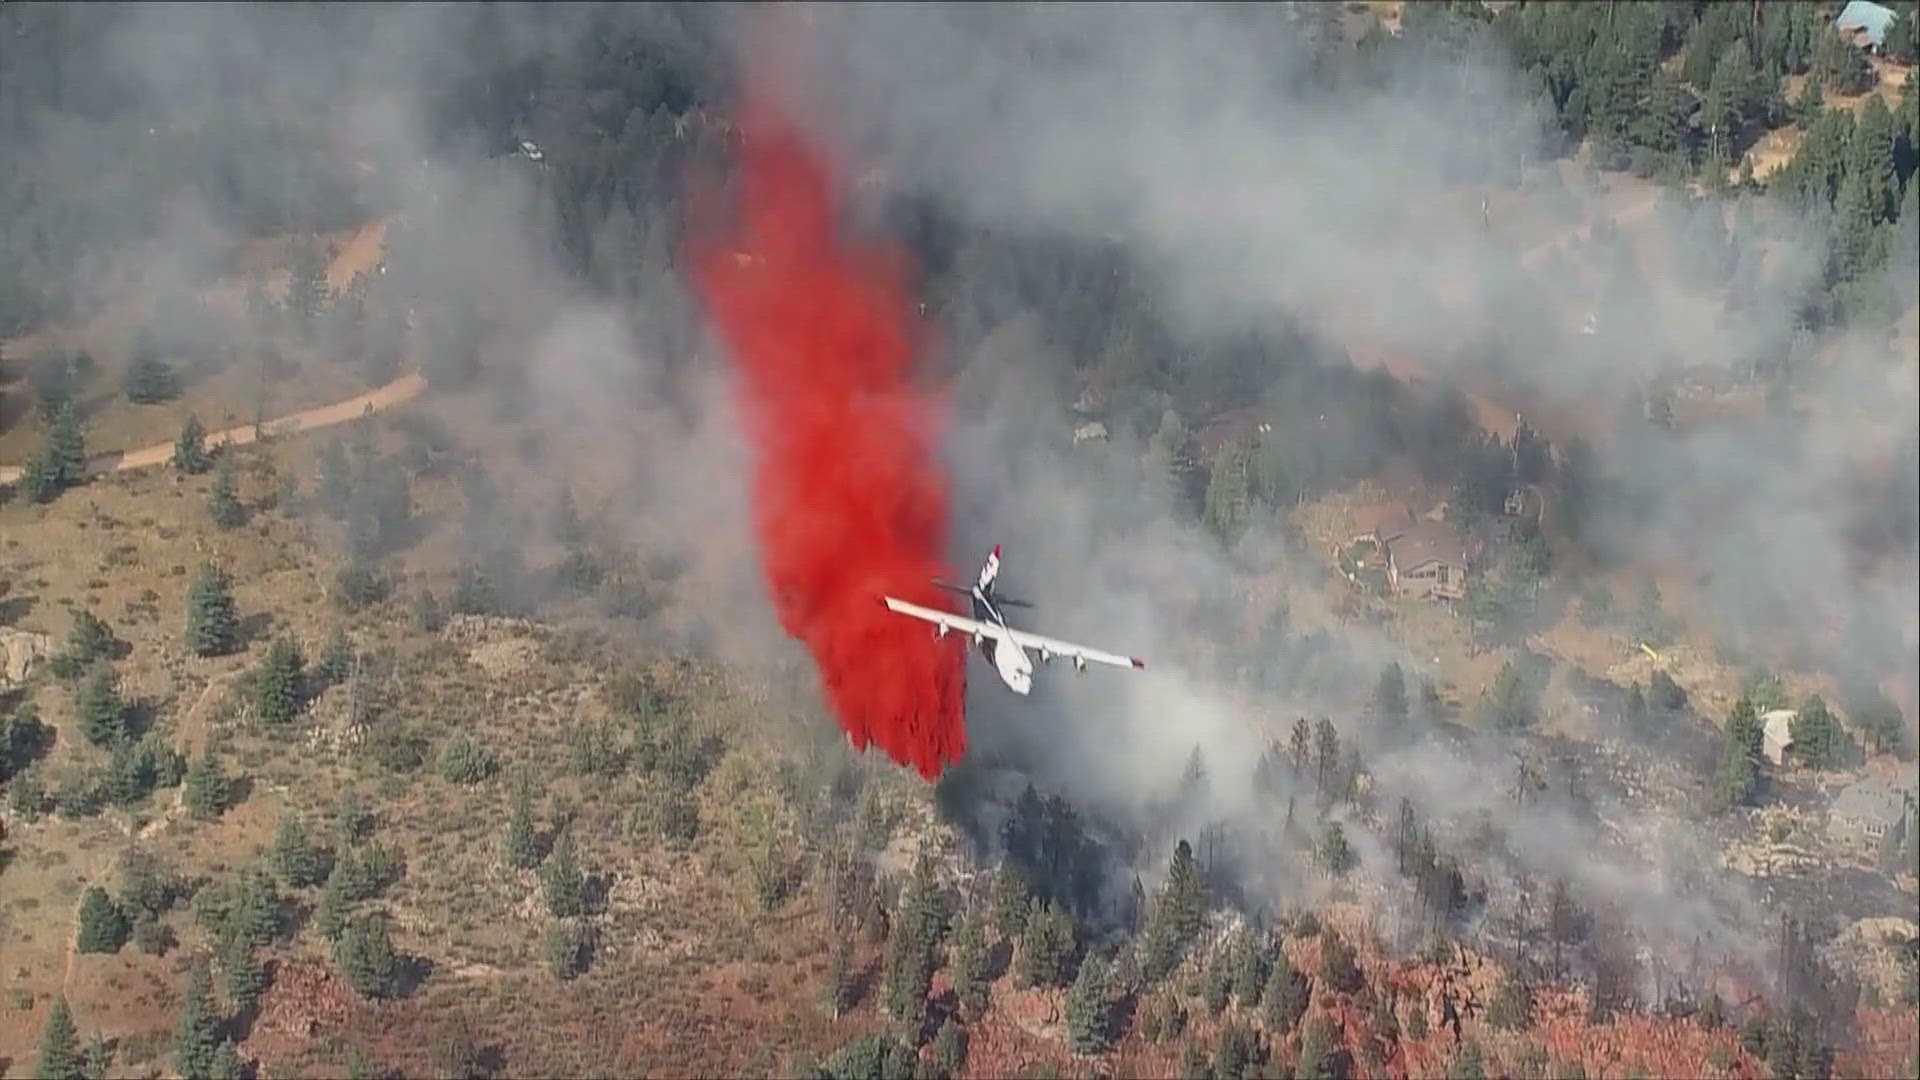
336 478
1285 998
1337 963
1336 857
1467 1064
950 1048
1817 739
522 847
1509 704
1316 1053
909 972
1193 1060
246 977
296 858
226 1062
334 906
1216 985
282 683
190 449
923 906
53 379
89 640
307 286
59 1045
1165 459
562 882
66 447
1089 1015
968 966
206 787
336 659
1512 1006
1047 946
1390 697
1009 903
223 505
103 926
98 1058
1662 125
364 954
196 1034
1229 490
566 950
149 378
1176 919
564 522
213 627
1299 743
1726 109
838 992
1871 158
1249 969
103 716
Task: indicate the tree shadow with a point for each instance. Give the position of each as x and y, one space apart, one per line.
238 789
295 915
1120 1014
594 890
14 607
860 985
999 960
240 1024
253 627
410 973
139 715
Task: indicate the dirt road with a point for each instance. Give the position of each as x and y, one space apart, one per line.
397 392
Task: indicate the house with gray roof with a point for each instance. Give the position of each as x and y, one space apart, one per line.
1865 24
1870 814
1776 730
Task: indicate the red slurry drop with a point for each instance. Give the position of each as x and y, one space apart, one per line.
849 501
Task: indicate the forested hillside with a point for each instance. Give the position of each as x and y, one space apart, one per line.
1495 422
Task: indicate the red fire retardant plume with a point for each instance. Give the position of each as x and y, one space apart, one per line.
849 502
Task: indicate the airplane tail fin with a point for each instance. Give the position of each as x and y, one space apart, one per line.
990 570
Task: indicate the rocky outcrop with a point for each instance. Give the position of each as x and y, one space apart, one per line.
20 652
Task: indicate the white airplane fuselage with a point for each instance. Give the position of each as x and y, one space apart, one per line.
1010 660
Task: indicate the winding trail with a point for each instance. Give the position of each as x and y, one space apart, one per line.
398 392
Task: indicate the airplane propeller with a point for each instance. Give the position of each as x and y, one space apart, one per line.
1003 601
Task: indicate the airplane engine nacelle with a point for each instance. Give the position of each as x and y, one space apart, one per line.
978 638
942 630
1046 657
1079 663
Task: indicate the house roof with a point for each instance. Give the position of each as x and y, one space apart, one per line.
1861 15
1388 517
1225 428
1427 541
1875 797
1778 724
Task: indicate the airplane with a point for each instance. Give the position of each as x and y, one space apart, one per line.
991 633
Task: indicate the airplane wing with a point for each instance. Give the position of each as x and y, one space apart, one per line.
946 619
1047 647
1051 647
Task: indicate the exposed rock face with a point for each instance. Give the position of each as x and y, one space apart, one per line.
20 650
